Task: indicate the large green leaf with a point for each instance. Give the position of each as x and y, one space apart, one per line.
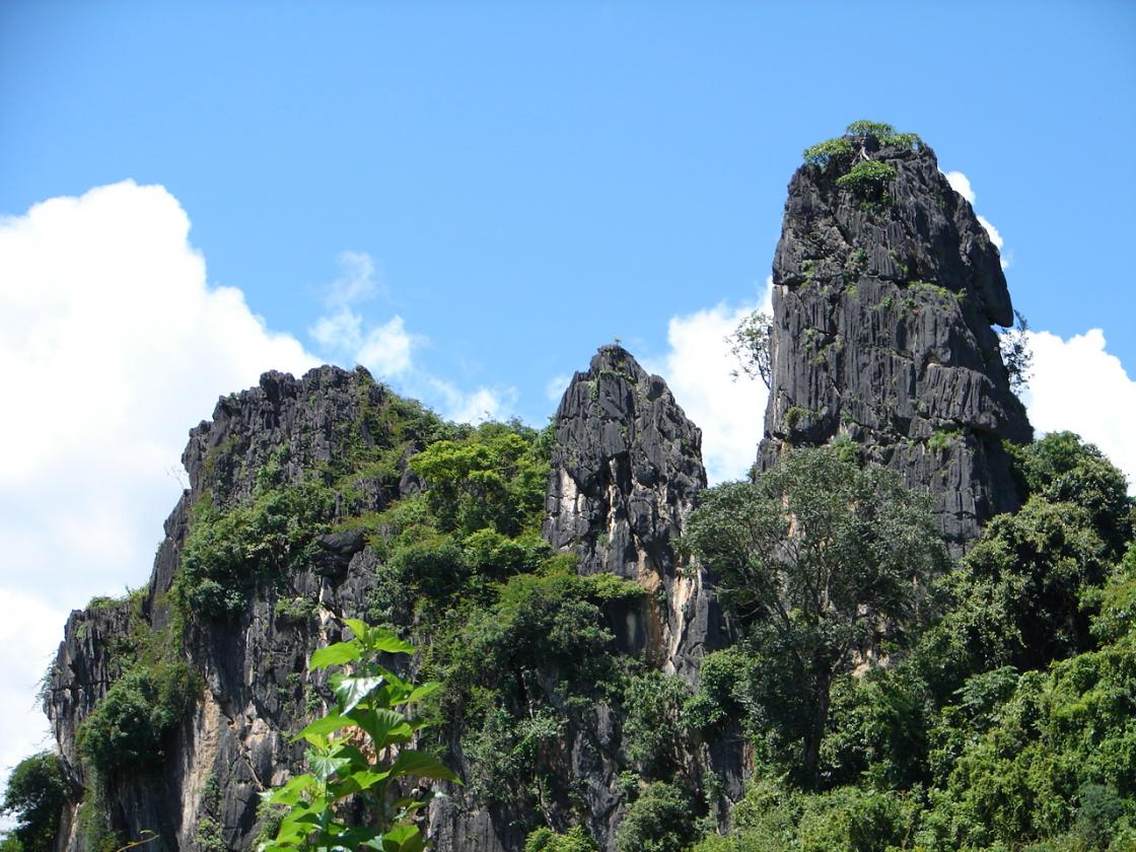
323 726
335 655
403 838
421 765
385 727
423 691
324 766
289 794
351 690
378 638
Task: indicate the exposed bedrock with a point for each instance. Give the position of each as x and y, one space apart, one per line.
882 314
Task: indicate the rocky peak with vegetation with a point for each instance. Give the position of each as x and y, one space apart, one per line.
173 707
626 468
619 657
885 289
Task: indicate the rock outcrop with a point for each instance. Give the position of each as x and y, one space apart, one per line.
883 303
626 467
253 692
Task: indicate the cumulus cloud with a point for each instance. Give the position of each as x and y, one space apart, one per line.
115 344
960 183
1079 386
476 406
698 366
345 336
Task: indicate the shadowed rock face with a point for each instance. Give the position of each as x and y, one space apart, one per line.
882 333
252 696
626 466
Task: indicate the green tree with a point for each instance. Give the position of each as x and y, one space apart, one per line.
660 820
357 754
36 793
751 344
819 556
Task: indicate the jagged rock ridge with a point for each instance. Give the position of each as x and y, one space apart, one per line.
236 740
626 467
882 333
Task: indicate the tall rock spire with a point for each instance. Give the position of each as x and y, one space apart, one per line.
626 465
885 289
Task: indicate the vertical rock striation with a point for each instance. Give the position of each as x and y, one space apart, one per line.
883 302
626 466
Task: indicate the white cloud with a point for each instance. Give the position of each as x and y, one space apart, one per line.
356 281
698 369
476 406
960 183
1079 386
114 344
993 233
556 386
340 330
385 350
29 633
346 337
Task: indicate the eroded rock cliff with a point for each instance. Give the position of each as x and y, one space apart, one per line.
199 789
885 290
626 466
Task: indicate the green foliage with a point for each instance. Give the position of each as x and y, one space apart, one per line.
36 794
1017 596
884 134
1017 354
723 689
349 755
821 153
942 439
494 479
128 727
546 840
1062 468
867 177
863 128
815 555
654 724
660 820
794 416
227 553
877 732
209 835
751 345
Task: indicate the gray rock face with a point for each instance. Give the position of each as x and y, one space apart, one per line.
626 467
254 694
882 333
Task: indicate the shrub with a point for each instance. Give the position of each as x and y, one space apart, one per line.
227 553
546 840
654 725
660 820
821 153
867 177
128 726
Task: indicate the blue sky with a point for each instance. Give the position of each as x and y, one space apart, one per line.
470 198
533 180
